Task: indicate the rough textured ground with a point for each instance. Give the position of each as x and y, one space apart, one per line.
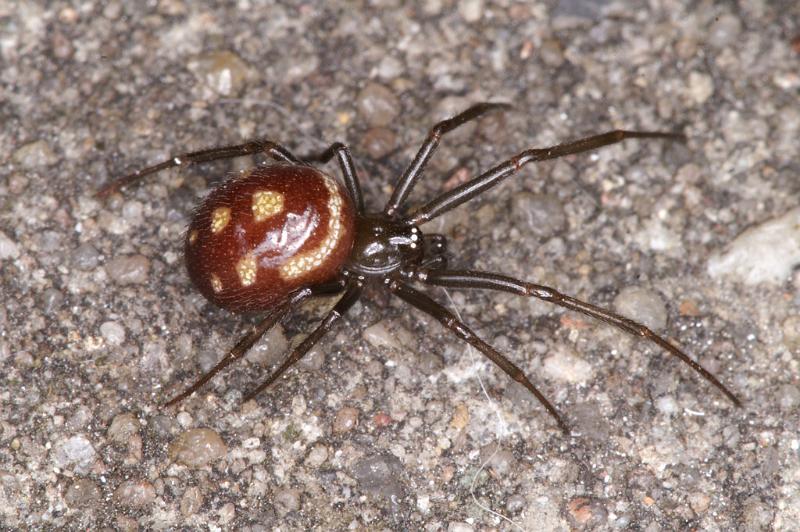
386 426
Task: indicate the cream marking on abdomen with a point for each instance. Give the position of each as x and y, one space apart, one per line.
219 219
312 259
266 204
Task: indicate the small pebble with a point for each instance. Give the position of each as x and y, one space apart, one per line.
132 269
432 7
379 475
757 513
688 307
124 523
35 154
381 419
113 332
378 142
191 501
380 335
700 87
642 305
112 10
724 31
224 72
378 105
286 500
50 241
8 248
500 461
791 332
666 405
226 513
789 397
566 367
515 504
314 360
76 452
52 300
123 427
17 183
429 362
460 417
185 419
251 443
345 420
133 213
164 426
552 52
587 513
61 46
317 456
85 257
135 493
82 492
459 526
79 419
424 503
154 357
390 67
269 350
699 502
470 10
765 253
656 236
197 448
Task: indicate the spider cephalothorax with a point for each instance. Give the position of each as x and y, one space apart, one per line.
277 235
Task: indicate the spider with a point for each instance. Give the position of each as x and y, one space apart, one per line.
277 235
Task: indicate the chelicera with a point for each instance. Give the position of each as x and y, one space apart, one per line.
277 235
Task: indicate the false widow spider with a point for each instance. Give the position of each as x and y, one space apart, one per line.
279 234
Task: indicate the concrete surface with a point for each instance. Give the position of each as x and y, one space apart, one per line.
391 424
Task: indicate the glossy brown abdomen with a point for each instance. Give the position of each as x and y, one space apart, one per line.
264 234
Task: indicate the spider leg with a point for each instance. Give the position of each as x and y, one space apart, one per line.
342 153
275 151
350 297
450 321
494 176
493 281
244 345
414 170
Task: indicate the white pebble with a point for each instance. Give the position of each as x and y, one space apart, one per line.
766 253
76 452
379 335
642 305
8 248
566 367
113 332
471 10
700 88
666 405
185 420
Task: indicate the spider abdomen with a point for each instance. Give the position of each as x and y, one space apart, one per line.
258 237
